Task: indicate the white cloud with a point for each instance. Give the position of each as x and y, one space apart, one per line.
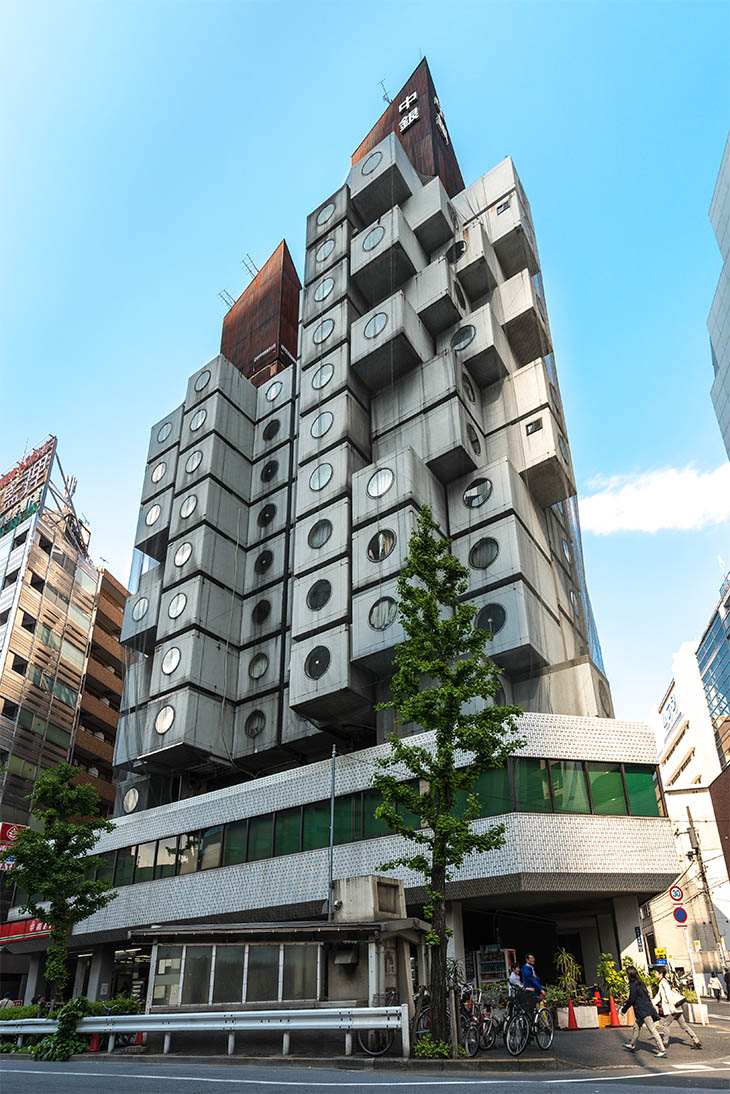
678 499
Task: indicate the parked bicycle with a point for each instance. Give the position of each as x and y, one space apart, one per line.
526 1022
376 1042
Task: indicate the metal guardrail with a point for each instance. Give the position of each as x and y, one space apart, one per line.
348 1019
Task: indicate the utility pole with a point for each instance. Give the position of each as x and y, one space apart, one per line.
330 907
697 854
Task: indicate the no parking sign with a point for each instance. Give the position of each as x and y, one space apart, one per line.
680 915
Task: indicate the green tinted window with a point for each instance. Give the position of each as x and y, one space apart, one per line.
234 849
569 787
316 826
187 853
166 857
607 789
105 869
348 819
532 786
145 862
210 847
260 831
124 871
25 718
58 736
73 654
371 799
86 581
286 837
492 790
80 618
643 790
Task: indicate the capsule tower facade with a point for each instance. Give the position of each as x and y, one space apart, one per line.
280 496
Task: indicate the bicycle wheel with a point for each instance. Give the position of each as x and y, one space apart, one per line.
375 1042
423 1025
544 1028
517 1033
471 1039
489 1034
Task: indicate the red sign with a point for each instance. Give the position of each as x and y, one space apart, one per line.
23 928
9 831
676 893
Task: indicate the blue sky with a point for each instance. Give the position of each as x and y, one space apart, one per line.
149 145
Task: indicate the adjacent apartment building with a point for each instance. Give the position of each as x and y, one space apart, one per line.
61 664
413 365
718 322
692 729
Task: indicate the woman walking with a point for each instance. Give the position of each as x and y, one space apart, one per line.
644 1013
672 1003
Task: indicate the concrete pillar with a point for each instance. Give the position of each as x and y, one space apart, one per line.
455 921
100 977
82 963
626 912
591 950
405 980
34 977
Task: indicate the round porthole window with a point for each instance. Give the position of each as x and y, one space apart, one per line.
164 719
131 800
563 448
376 324
271 429
153 515
320 476
317 662
491 618
373 238
183 553
273 390
380 483
463 337
325 213
197 420
266 515
164 432
261 611
159 471
188 506
473 439
193 461
605 698
499 698
263 562
203 380
318 595
255 723
258 665
324 289
468 388
171 660
324 250
371 163
383 613
477 493
322 424
323 331
483 553
381 545
323 375
140 609
567 552
319 533
177 605
456 251
268 471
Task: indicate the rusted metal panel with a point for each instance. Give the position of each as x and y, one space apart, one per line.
416 117
260 331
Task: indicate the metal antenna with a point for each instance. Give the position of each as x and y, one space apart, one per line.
250 265
227 298
386 96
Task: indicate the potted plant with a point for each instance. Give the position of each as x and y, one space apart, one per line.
569 973
615 982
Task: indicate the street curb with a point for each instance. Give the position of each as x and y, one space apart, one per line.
348 1063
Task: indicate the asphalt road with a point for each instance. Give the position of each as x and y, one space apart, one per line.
160 1077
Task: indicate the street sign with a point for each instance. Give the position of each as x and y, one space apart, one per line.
698 945
639 939
676 893
660 951
680 915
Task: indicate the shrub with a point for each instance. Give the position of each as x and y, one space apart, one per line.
429 1049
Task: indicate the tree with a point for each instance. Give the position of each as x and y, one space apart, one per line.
53 865
441 668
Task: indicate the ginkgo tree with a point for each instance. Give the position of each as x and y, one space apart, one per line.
444 684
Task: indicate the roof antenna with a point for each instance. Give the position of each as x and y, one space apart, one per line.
227 298
386 96
250 265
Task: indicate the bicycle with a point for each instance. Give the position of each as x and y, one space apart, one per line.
121 1040
522 1026
376 1042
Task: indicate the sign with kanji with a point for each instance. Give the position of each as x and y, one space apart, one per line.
23 928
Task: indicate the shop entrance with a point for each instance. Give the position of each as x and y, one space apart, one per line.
493 939
132 972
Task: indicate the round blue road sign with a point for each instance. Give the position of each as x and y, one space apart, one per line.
680 915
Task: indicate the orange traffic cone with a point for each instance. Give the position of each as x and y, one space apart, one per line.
615 1021
597 998
93 1043
572 1024
139 1039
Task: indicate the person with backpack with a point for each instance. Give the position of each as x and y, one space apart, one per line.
672 1004
644 1013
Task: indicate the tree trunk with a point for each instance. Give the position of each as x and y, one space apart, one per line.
440 1025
